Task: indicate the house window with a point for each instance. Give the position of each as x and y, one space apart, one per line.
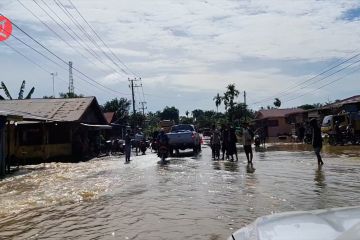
273 123
31 136
59 134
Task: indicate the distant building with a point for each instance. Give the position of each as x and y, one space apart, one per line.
351 104
53 129
275 122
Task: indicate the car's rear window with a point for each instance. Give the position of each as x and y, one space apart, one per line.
182 128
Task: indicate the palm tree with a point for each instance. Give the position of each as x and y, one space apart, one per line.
218 100
277 103
229 96
21 92
187 113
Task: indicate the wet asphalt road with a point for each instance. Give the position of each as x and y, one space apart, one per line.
192 197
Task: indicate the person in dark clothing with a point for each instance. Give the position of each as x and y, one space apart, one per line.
163 141
225 141
316 140
127 146
215 142
301 133
232 144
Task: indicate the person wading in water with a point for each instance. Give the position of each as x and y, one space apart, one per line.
127 146
316 140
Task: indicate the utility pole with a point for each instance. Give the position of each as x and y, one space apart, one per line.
71 81
143 107
132 85
53 80
245 105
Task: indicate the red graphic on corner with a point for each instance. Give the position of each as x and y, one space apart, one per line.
5 28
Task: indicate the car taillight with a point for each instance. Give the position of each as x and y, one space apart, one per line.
193 136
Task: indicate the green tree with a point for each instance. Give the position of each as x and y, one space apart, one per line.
306 106
277 103
70 95
187 113
186 120
137 120
230 95
218 100
229 100
21 91
120 107
242 113
197 114
170 113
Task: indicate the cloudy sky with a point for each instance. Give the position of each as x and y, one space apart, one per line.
187 51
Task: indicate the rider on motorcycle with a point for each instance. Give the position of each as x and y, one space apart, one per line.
162 139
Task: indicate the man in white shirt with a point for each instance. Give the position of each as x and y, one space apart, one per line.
247 140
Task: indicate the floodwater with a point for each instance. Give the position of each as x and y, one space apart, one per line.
189 198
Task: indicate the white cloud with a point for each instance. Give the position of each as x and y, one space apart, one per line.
180 43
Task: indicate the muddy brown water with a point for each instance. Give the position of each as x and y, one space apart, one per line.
189 198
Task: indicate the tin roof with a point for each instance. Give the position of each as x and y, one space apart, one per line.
55 109
350 100
273 113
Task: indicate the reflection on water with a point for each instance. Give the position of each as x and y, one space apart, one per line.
189 198
320 177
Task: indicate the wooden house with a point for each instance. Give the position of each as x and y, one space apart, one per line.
53 129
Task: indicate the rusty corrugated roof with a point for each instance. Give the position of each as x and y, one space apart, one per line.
350 100
272 113
109 116
56 109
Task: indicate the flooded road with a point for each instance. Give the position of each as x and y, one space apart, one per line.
190 198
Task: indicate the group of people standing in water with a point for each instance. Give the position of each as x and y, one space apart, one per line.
225 139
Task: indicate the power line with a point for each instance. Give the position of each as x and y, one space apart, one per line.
327 84
326 77
80 41
308 80
59 58
59 36
82 29
115 56
33 62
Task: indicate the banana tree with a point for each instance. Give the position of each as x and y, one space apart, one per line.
21 91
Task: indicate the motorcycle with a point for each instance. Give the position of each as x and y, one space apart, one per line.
163 153
308 138
143 146
257 141
117 146
154 145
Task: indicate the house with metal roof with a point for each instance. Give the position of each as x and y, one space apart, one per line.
53 129
350 104
275 122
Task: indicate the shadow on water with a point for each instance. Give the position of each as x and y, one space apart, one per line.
250 168
216 165
319 178
187 154
231 166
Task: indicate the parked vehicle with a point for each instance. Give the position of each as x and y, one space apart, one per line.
184 136
330 224
166 125
117 146
342 128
